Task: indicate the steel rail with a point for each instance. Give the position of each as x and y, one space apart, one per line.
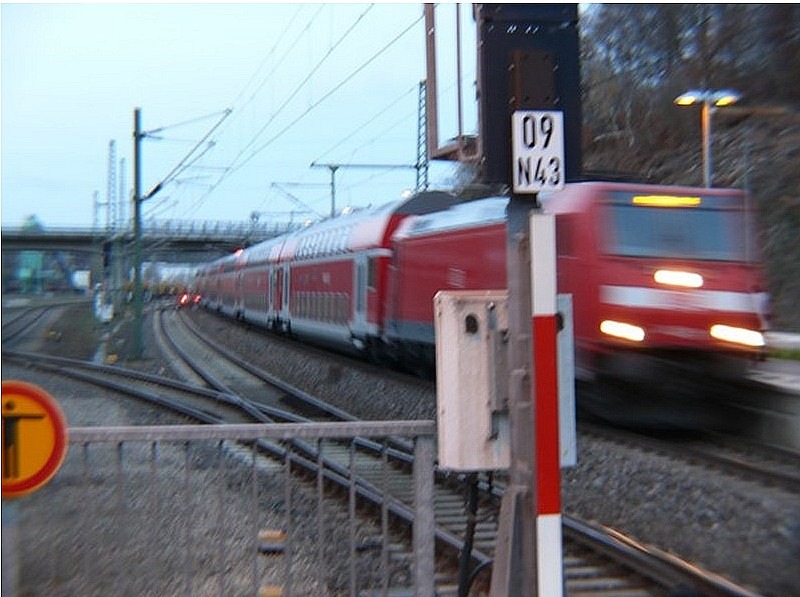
669 571
652 563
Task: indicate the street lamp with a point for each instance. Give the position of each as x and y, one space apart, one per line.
710 100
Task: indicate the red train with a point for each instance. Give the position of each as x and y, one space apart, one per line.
657 274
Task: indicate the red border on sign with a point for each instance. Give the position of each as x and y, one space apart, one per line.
51 466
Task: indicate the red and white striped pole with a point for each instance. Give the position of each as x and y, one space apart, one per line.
549 560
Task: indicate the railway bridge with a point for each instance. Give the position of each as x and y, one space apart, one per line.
38 259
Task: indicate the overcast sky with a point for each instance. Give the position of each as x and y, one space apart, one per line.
331 83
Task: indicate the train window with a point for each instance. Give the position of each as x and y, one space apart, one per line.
341 301
372 273
323 245
565 226
421 224
342 246
331 244
691 233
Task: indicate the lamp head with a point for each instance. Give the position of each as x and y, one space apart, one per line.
720 98
689 98
725 97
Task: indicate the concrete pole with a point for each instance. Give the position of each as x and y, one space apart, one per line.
138 347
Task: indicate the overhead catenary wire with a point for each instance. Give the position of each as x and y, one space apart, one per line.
360 128
314 105
266 78
182 165
385 171
377 136
300 86
228 168
269 55
375 175
151 132
403 119
240 109
331 92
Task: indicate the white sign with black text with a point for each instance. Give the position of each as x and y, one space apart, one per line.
537 149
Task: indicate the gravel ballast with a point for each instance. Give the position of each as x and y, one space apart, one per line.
742 530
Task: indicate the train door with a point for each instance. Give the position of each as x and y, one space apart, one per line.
238 293
360 298
284 300
270 305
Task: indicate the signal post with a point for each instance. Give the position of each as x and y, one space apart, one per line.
530 519
530 123
496 351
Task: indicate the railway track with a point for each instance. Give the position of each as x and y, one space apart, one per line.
771 466
586 544
741 459
19 323
597 560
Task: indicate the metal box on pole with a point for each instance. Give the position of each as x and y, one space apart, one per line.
472 380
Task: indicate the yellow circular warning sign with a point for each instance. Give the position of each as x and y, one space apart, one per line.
34 437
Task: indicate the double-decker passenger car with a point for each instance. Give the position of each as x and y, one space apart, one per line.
326 282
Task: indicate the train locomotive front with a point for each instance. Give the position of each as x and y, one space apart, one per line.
663 278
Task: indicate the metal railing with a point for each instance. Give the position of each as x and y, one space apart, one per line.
167 229
201 510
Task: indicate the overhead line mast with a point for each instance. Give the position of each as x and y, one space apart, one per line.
334 167
422 139
111 187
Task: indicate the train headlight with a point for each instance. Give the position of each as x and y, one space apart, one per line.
735 335
626 331
670 277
